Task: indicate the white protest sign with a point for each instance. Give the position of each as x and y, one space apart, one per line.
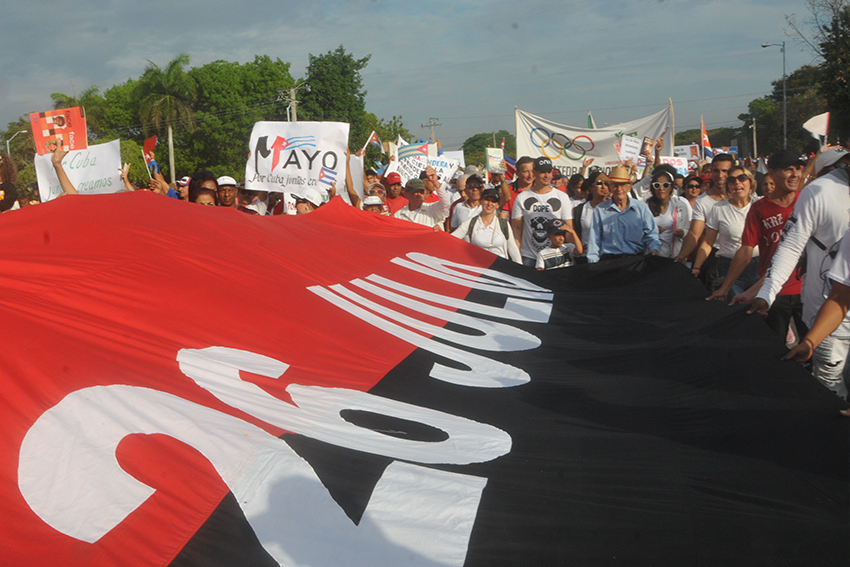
630 148
392 150
357 175
494 158
456 155
410 168
680 163
691 151
568 146
91 171
291 156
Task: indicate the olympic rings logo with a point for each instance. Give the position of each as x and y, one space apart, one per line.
561 143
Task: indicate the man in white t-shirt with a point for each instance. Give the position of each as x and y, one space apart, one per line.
534 208
816 228
833 311
417 210
720 166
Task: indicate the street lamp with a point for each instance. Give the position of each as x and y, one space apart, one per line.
784 98
12 138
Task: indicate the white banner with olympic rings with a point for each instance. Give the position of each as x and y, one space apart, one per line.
568 146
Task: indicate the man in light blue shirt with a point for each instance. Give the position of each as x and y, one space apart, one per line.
621 226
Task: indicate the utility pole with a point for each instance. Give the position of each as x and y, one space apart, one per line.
292 99
431 123
781 47
755 142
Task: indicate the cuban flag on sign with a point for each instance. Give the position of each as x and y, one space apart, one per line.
327 176
413 150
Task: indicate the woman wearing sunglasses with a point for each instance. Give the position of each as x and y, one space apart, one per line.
725 225
672 214
691 189
469 207
596 185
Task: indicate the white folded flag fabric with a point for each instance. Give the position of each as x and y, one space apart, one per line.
818 125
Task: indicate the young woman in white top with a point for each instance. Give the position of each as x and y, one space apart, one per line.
488 231
672 214
725 225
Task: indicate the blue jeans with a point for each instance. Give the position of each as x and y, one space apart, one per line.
748 277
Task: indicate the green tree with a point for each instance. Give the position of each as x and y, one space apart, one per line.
21 146
231 99
166 97
474 146
91 102
803 101
829 26
835 70
336 91
119 113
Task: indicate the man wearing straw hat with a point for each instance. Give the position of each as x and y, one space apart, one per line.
622 226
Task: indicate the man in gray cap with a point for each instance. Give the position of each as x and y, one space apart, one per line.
417 210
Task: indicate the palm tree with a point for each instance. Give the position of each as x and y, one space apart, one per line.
166 97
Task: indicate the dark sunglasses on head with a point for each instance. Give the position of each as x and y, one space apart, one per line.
659 185
741 178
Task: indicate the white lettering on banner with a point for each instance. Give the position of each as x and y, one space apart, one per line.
483 372
69 476
514 309
494 337
316 411
454 273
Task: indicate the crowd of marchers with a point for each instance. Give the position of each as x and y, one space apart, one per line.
774 239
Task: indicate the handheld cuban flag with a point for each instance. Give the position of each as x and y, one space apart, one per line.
706 145
510 169
375 140
148 148
503 144
413 150
147 155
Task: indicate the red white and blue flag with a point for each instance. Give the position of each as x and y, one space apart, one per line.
375 140
413 150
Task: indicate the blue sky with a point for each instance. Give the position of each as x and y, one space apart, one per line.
467 62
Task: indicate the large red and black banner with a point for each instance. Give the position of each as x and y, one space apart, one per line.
182 385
